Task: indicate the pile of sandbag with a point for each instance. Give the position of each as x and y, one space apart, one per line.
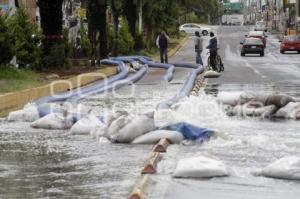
259 105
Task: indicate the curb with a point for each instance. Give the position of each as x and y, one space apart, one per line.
16 100
182 43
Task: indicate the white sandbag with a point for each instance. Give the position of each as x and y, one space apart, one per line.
284 168
154 137
53 121
211 74
85 125
229 98
290 111
118 124
99 131
200 167
134 127
109 117
164 117
29 113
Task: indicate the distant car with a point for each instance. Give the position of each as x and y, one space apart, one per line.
290 43
252 46
258 34
261 26
191 28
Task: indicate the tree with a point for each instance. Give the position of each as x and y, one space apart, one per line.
116 8
130 12
98 25
25 38
51 23
6 41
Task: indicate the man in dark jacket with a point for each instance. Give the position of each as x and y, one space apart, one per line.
213 49
162 42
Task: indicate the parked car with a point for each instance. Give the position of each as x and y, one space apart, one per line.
191 28
290 43
258 34
261 26
252 46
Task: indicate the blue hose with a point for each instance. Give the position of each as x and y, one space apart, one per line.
170 68
66 95
185 90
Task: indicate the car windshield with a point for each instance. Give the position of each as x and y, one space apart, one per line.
256 33
261 23
253 42
291 38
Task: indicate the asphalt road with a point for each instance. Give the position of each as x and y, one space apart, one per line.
250 144
272 73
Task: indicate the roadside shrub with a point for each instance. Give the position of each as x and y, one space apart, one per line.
56 56
125 40
26 38
139 42
85 41
6 47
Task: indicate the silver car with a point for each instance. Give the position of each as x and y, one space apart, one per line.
261 26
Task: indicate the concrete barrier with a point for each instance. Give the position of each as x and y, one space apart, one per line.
151 163
162 146
139 190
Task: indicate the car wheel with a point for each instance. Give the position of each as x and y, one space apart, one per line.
205 32
243 54
262 54
298 51
282 51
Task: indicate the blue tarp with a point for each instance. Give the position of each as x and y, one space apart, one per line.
190 132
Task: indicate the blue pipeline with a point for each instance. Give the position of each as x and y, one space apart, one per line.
123 72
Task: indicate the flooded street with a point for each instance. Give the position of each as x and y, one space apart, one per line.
53 164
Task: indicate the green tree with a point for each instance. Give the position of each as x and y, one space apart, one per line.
25 38
6 41
116 8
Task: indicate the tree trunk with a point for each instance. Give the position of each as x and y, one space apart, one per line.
52 26
97 24
116 15
130 9
149 36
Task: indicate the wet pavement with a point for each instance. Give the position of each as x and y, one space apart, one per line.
246 145
52 164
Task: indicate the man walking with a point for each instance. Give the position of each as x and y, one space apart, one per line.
198 48
163 41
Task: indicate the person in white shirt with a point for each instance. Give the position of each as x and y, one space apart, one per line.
198 48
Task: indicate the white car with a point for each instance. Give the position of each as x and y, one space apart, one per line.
191 28
260 26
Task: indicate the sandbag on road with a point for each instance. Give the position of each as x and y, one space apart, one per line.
85 125
284 168
200 167
29 113
155 136
126 128
54 121
291 111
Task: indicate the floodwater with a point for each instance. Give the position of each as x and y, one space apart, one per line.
52 164
246 145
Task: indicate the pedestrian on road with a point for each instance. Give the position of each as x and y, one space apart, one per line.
198 48
213 49
162 42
